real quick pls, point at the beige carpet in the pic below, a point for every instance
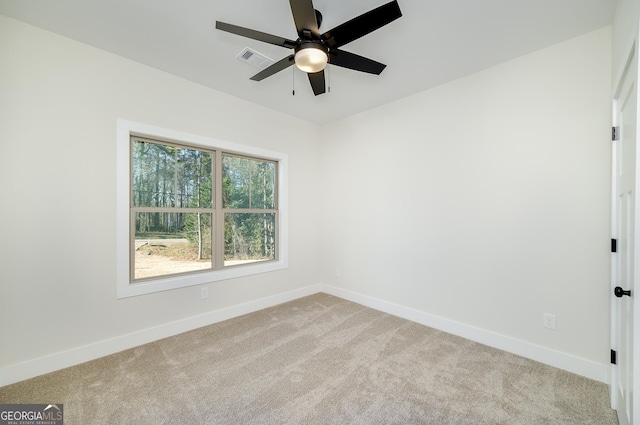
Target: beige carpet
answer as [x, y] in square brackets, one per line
[317, 360]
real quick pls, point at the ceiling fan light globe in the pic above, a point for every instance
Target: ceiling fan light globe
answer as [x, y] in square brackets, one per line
[311, 59]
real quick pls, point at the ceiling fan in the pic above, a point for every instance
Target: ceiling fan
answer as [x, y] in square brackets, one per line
[312, 50]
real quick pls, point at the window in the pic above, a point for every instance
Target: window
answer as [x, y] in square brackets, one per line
[249, 208]
[197, 210]
[171, 209]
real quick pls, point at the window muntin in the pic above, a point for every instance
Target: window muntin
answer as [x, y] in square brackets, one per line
[175, 223]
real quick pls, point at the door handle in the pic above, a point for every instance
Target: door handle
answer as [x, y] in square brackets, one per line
[619, 292]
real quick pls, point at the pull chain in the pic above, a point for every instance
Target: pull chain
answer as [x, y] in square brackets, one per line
[329, 72]
[293, 81]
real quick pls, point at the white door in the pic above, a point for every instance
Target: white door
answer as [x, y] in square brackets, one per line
[626, 261]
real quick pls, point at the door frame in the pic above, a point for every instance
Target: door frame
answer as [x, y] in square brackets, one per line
[630, 50]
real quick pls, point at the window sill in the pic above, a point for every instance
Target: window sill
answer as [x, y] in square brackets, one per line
[126, 289]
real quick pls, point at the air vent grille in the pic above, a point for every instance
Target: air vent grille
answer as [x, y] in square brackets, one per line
[254, 58]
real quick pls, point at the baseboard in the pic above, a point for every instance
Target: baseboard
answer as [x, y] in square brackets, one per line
[570, 363]
[50, 363]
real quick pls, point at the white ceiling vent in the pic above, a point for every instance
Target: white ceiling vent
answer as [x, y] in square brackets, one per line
[254, 58]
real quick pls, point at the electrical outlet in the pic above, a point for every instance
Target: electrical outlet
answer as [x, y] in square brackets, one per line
[338, 273]
[204, 293]
[549, 321]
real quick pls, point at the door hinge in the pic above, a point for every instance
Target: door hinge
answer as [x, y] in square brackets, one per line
[613, 357]
[615, 133]
[614, 245]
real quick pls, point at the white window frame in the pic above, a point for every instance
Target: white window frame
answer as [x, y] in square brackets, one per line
[127, 288]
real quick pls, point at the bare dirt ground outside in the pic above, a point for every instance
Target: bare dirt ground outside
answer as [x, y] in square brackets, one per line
[150, 262]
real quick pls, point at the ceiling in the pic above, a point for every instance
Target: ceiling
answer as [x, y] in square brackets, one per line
[435, 41]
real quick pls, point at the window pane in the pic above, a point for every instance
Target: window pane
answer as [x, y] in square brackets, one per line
[169, 176]
[249, 238]
[248, 183]
[169, 243]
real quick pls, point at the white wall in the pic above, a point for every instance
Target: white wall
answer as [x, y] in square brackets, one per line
[59, 102]
[484, 201]
[625, 31]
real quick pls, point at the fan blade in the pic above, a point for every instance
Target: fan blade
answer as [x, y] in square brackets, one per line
[317, 82]
[256, 35]
[272, 69]
[362, 25]
[304, 16]
[356, 62]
